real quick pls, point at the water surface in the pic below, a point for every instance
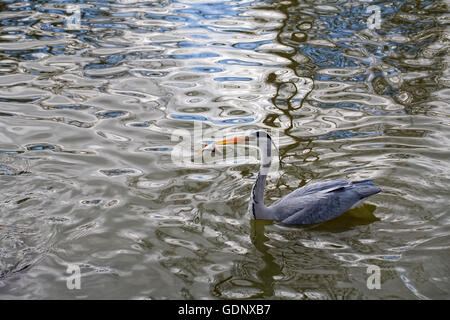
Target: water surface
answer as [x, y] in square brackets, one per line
[92, 92]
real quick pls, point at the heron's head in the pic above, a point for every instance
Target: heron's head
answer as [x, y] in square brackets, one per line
[259, 136]
[256, 136]
[235, 140]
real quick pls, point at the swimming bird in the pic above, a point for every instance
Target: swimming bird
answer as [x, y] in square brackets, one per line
[313, 203]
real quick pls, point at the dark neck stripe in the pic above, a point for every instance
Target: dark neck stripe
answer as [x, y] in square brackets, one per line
[253, 210]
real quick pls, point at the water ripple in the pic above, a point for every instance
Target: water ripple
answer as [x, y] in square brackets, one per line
[93, 94]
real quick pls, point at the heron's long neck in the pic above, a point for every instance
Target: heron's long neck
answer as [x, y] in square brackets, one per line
[260, 211]
[258, 190]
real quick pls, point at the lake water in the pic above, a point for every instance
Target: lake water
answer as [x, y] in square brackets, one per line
[95, 97]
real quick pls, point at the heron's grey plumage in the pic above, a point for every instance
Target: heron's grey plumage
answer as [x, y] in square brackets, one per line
[313, 203]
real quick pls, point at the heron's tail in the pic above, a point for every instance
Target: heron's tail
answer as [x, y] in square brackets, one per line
[366, 188]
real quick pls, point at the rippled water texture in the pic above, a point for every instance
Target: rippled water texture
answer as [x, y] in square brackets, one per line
[95, 98]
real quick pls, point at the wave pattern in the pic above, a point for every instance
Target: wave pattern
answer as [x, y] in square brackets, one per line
[92, 93]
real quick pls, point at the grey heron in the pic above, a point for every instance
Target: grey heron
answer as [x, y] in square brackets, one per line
[313, 203]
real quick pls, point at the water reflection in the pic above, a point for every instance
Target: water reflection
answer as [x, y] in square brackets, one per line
[91, 94]
[270, 269]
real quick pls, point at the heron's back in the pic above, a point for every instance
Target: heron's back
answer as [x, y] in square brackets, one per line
[321, 201]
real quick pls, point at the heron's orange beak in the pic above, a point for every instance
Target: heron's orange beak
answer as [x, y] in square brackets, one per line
[235, 140]
[212, 146]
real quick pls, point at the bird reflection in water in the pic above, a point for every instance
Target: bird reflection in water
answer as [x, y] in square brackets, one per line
[268, 272]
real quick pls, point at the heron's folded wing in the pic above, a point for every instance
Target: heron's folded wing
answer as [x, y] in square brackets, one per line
[322, 206]
[312, 188]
